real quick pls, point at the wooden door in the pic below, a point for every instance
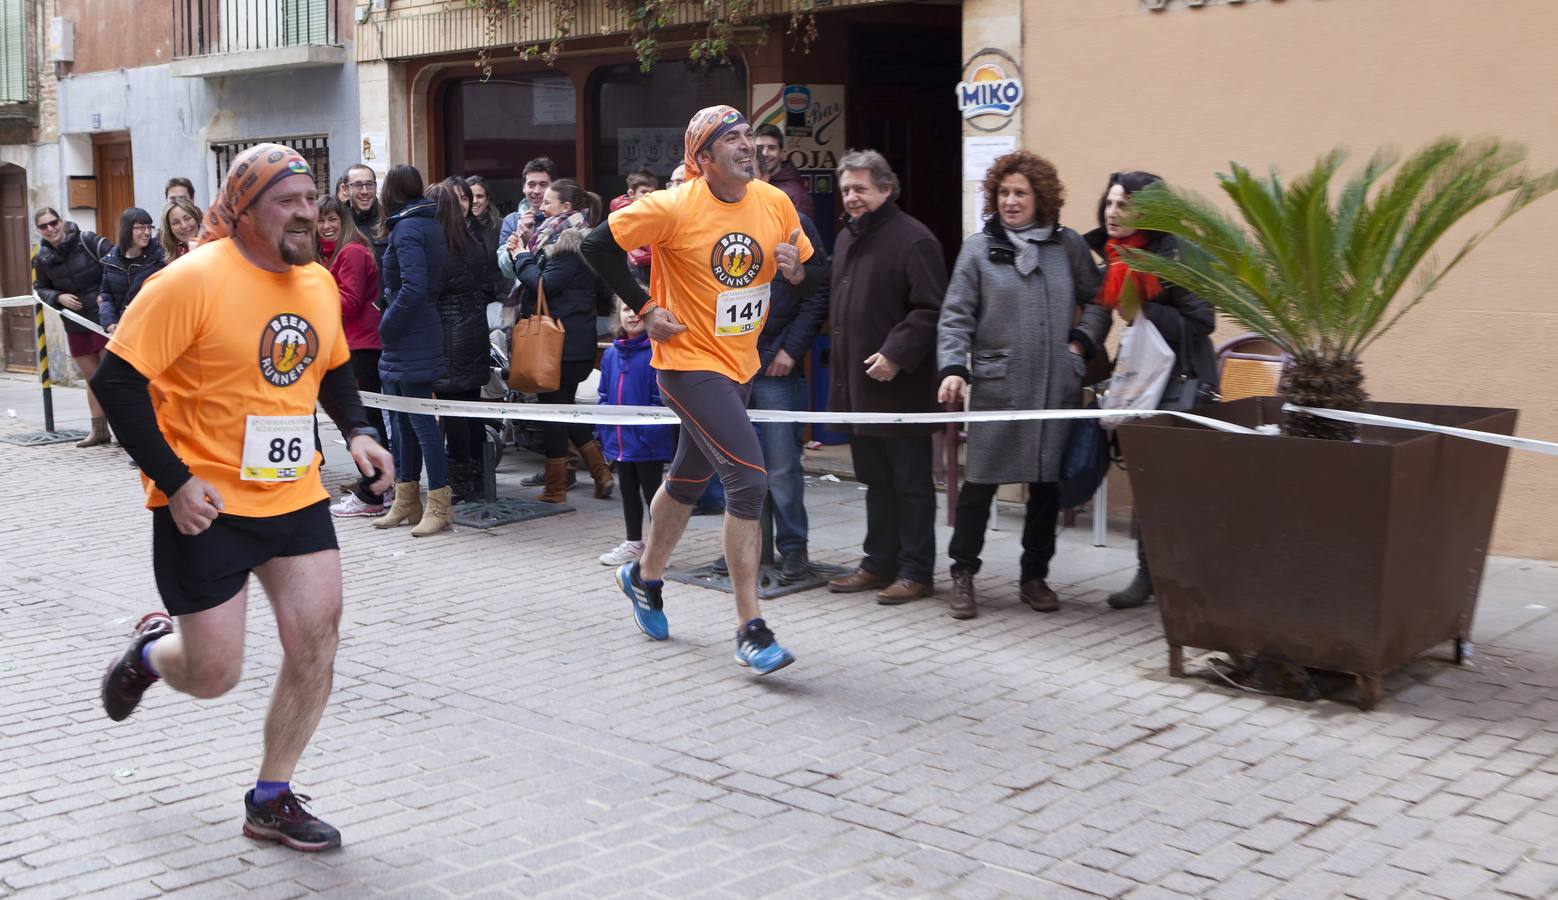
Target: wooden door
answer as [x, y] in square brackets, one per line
[115, 172]
[16, 325]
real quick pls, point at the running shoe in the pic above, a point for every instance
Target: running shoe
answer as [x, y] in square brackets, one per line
[648, 609]
[350, 506]
[125, 681]
[286, 820]
[625, 552]
[757, 649]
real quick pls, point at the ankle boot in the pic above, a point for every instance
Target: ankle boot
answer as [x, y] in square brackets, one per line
[99, 434]
[1136, 593]
[438, 516]
[407, 508]
[462, 481]
[595, 461]
[556, 482]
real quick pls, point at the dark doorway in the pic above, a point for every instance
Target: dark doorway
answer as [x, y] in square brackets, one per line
[114, 167]
[901, 104]
[17, 326]
[492, 128]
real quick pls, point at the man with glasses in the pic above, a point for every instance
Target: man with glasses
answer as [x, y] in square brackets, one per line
[66, 274]
[363, 187]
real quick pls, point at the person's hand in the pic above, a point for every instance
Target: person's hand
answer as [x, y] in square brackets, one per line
[513, 243]
[782, 365]
[527, 224]
[881, 368]
[195, 505]
[370, 458]
[1076, 348]
[662, 325]
[110, 328]
[953, 389]
[788, 256]
[70, 301]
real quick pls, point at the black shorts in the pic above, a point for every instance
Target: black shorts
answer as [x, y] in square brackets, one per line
[202, 572]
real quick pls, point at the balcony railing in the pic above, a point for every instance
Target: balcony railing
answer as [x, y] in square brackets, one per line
[208, 27]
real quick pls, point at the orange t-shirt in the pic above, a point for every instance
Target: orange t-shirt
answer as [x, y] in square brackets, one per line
[713, 265]
[223, 344]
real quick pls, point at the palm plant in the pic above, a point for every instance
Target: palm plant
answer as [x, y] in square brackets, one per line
[1321, 276]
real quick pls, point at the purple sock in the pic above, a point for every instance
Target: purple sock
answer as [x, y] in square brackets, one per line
[146, 665]
[265, 791]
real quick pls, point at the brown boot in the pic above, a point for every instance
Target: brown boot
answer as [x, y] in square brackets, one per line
[556, 481]
[595, 461]
[902, 591]
[1038, 595]
[858, 580]
[99, 434]
[407, 508]
[964, 605]
[438, 516]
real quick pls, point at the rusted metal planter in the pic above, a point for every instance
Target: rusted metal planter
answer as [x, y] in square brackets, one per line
[1351, 557]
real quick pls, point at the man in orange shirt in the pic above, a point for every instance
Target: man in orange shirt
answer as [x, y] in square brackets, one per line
[211, 381]
[718, 239]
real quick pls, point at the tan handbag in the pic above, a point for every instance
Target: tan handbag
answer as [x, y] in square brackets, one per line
[536, 350]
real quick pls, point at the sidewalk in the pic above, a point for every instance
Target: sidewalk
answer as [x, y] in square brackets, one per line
[498, 727]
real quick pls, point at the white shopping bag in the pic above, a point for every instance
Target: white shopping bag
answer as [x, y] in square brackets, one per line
[1141, 371]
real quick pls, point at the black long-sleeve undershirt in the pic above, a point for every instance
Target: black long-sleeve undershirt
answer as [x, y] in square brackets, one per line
[123, 392]
[610, 263]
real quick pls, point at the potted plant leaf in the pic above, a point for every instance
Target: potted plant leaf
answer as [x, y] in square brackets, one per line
[1330, 546]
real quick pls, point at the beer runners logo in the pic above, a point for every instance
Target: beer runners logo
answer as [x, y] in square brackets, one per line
[737, 259]
[288, 346]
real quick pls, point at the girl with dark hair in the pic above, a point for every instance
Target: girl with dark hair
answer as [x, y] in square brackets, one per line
[181, 220]
[1018, 324]
[486, 225]
[1185, 320]
[67, 274]
[413, 356]
[462, 309]
[349, 257]
[128, 266]
[573, 293]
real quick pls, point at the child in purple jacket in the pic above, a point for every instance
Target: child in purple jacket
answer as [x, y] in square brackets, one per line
[640, 451]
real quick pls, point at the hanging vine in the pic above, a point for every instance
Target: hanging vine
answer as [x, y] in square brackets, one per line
[646, 20]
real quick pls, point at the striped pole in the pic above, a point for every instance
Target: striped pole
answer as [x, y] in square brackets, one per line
[43, 368]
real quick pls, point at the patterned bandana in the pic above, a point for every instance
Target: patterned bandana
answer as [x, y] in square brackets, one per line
[705, 128]
[255, 171]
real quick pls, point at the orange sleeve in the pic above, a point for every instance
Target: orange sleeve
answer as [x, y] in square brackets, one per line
[645, 222]
[165, 319]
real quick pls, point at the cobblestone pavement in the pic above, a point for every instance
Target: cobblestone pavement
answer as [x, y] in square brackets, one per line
[499, 727]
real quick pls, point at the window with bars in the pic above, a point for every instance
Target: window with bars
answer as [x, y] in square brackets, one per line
[13, 52]
[315, 150]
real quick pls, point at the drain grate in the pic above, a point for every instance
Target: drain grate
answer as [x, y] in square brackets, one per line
[492, 513]
[768, 584]
[39, 438]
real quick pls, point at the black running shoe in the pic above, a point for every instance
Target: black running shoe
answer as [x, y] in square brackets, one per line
[287, 821]
[125, 681]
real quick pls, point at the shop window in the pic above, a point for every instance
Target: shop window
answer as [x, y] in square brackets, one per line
[492, 128]
[315, 150]
[640, 119]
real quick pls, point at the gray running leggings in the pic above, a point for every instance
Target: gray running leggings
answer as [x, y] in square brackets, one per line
[717, 437]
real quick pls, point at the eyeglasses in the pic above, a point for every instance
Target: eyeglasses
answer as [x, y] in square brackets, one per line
[362, 185]
[140, 228]
[49, 226]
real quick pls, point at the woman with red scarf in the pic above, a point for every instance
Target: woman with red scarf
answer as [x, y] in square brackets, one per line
[1185, 320]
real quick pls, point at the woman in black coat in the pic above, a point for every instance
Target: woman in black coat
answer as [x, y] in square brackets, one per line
[66, 274]
[462, 309]
[486, 225]
[573, 293]
[127, 266]
[1185, 320]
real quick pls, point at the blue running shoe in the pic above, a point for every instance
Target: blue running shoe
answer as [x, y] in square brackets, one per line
[757, 649]
[645, 596]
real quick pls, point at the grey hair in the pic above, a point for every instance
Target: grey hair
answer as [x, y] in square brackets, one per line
[873, 162]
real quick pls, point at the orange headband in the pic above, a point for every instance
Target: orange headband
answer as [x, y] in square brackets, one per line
[254, 171]
[705, 128]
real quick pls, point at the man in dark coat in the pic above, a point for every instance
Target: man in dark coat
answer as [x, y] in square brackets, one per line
[779, 172]
[888, 281]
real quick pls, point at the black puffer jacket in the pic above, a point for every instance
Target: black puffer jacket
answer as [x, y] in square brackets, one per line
[74, 267]
[572, 291]
[497, 284]
[122, 280]
[1185, 320]
[462, 308]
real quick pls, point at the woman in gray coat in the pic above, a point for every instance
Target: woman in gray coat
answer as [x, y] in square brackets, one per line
[1016, 331]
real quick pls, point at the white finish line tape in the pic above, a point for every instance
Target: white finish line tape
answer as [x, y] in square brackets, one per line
[79, 320]
[1503, 440]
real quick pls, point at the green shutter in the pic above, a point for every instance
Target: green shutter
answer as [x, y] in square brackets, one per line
[13, 51]
[306, 22]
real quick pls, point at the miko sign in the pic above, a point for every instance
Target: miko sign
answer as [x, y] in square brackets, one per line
[988, 92]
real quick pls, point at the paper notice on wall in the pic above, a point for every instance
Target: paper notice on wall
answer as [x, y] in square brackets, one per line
[553, 102]
[979, 153]
[375, 152]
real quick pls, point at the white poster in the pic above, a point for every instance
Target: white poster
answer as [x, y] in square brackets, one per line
[553, 102]
[375, 152]
[657, 149]
[980, 153]
[811, 117]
